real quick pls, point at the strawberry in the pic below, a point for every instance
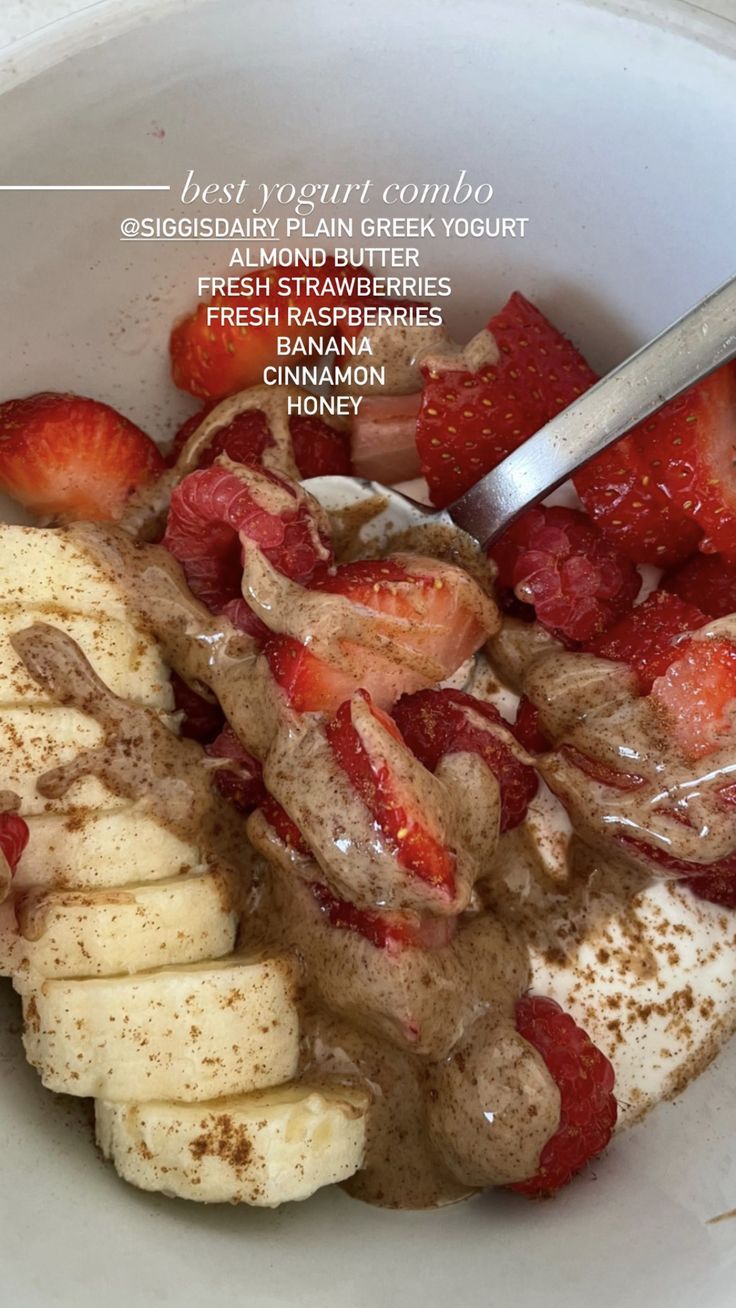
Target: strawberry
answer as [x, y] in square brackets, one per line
[286, 830]
[392, 931]
[202, 720]
[527, 728]
[242, 781]
[649, 637]
[416, 613]
[393, 808]
[438, 722]
[714, 882]
[696, 695]
[706, 580]
[214, 510]
[690, 447]
[620, 492]
[13, 838]
[585, 1080]
[470, 421]
[318, 449]
[384, 437]
[578, 582]
[66, 454]
[671, 479]
[216, 359]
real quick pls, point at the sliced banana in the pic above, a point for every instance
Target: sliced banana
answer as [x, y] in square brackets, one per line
[127, 660]
[264, 1149]
[45, 566]
[78, 933]
[35, 740]
[192, 1032]
[91, 848]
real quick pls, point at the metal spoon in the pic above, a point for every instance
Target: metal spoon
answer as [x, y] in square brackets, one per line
[694, 346]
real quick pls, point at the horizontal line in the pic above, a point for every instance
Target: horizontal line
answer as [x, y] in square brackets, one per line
[244, 240]
[85, 188]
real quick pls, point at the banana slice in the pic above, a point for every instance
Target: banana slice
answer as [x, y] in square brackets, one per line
[77, 933]
[34, 740]
[263, 1149]
[91, 848]
[43, 566]
[190, 1033]
[127, 660]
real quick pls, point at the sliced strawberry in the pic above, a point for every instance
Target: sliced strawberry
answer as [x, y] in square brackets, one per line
[242, 781]
[13, 838]
[217, 358]
[286, 830]
[202, 719]
[697, 694]
[394, 810]
[706, 580]
[214, 510]
[438, 722]
[578, 582]
[429, 618]
[470, 421]
[319, 450]
[620, 492]
[648, 638]
[690, 447]
[715, 882]
[311, 685]
[527, 728]
[384, 437]
[599, 771]
[392, 931]
[66, 454]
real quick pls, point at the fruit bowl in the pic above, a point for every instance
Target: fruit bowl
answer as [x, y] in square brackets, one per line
[583, 119]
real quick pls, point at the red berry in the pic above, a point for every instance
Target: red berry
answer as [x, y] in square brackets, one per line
[527, 728]
[318, 450]
[696, 695]
[66, 454]
[214, 510]
[649, 637]
[577, 581]
[393, 806]
[286, 830]
[421, 619]
[438, 722]
[707, 581]
[392, 931]
[585, 1079]
[620, 492]
[470, 421]
[242, 781]
[13, 838]
[202, 719]
[715, 882]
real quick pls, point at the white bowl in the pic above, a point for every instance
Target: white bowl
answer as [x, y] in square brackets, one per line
[611, 128]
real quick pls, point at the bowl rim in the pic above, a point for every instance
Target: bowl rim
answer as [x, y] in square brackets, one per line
[99, 21]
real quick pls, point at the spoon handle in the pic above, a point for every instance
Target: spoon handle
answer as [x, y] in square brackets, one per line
[695, 345]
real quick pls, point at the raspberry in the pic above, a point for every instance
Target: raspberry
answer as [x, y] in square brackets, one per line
[318, 450]
[13, 838]
[202, 719]
[215, 510]
[585, 1079]
[558, 561]
[242, 782]
[438, 722]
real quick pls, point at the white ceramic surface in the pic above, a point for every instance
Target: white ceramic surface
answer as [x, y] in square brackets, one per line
[614, 133]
